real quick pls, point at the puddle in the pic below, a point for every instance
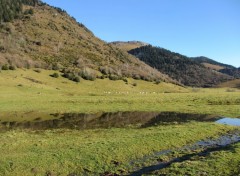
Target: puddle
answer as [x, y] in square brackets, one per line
[99, 120]
[229, 121]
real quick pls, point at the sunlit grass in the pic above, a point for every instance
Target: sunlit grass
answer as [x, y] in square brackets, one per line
[92, 152]
[71, 151]
[51, 95]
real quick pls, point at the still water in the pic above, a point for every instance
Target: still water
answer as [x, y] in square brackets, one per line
[100, 120]
[229, 121]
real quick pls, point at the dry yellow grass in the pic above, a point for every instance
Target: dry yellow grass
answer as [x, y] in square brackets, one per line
[214, 67]
[230, 84]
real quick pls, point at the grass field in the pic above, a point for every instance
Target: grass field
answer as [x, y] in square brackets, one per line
[93, 152]
[25, 91]
[218, 163]
[62, 152]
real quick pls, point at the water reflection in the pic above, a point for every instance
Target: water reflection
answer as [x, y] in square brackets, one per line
[104, 120]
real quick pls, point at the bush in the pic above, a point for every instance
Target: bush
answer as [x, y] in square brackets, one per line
[157, 81]
[87, 74]
[5, 67]
[55, 75]
[113, 77]
[76, 79]
[100, 77]
[11, 67]
[137, 77]
[28, 11]
[37, 70]
[68, 75]
[56, 66]
[134, 84]
[125, 80]
[88, 77]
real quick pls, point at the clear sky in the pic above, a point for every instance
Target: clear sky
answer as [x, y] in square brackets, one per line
[208, 28]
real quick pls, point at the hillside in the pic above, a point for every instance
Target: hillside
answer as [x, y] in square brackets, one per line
[203, 59]
[223, 68]
[46, 37]
[127, 46]
[179, 67]
[230, 84]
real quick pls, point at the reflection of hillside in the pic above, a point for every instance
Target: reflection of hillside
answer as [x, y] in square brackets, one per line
[107, 120]
[165, 118]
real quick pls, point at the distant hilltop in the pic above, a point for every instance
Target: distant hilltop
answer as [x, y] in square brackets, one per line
[128, 45]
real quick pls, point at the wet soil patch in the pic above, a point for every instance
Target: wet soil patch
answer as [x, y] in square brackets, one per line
[201, 148]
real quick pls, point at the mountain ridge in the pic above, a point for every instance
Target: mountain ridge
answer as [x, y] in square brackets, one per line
[182, 68]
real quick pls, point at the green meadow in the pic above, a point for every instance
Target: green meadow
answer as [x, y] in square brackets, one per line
[93, 152]
[97, 151]
[26, 91]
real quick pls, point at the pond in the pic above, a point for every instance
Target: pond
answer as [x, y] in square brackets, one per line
[82, 121]
[229, 121]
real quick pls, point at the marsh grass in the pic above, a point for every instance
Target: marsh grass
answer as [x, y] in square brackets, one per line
[218, 163]
[70, 151]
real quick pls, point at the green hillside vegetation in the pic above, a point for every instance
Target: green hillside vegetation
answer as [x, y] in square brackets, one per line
[223, 68]
[13, 9]
[47, 37]
[179, 67]
[235, 72]
[203, 59]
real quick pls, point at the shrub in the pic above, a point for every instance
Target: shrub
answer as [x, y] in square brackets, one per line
[125, 80]
[100, 77]
[157, 81]
[5, 67]
[88, 77]
[70, 76]
[113, 77]
[28, 11]
[11, 67]
[56, 66]
[137, 77]
[87, 74]
[106, 70]
[37, 70]
[76, 79]
[55, 75]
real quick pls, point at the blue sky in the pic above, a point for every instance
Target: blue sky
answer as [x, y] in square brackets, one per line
[208, 28]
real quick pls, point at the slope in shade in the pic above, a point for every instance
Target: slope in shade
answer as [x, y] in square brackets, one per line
[179, 67]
